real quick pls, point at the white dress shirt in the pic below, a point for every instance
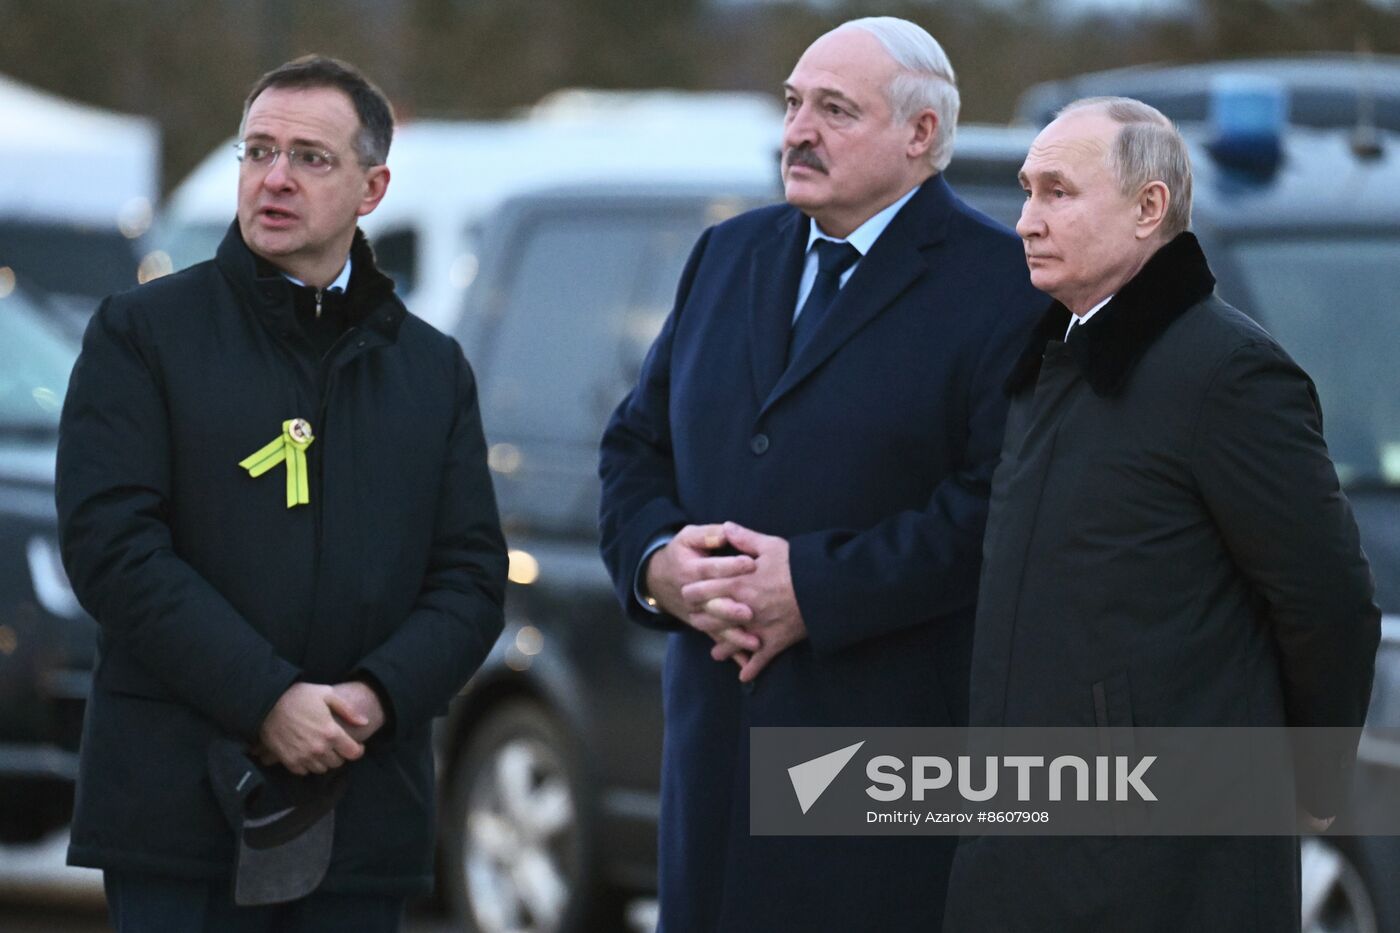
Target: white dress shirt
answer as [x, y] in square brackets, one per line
[341, 283]
[1075, 321]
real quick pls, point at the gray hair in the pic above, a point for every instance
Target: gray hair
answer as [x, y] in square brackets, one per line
[1149, 148]
[925, 79]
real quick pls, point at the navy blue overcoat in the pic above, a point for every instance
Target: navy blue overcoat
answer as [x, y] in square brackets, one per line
[872, 453]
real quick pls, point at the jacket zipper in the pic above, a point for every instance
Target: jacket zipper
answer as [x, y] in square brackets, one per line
[324, 383]
[320, 292]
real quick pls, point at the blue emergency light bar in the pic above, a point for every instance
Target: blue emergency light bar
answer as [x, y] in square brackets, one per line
[1248, 116]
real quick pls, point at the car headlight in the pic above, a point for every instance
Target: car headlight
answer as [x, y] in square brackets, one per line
[51, 585]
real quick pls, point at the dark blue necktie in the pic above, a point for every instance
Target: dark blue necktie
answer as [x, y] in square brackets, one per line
[833, 259]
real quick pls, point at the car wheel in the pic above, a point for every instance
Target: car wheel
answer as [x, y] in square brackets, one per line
[1335, 897]
[517, 843]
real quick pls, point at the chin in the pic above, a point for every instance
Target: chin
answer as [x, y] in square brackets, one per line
[270, 244]
[1043, 280]
[801, 195]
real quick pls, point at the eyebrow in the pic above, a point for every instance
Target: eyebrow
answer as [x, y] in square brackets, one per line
[1050, 176]
[300, 141]
[827, 93]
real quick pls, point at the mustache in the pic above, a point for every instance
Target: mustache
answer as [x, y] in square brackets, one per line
[803, 155]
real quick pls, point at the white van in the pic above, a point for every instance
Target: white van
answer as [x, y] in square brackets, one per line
[77, 186]
[446, 176]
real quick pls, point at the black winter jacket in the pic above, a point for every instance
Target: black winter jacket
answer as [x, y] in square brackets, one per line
[1168, 545]
[212, 596]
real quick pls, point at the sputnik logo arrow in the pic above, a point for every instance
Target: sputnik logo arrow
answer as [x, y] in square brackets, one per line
[811, 778]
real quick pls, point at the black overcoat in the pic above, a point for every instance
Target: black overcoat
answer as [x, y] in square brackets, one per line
[1168, 545]
[872, 453]
[212, 596]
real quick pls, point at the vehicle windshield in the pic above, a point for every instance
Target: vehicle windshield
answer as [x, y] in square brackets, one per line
[1334, 304]
[34, 365]
[68, 259]
[187, 243]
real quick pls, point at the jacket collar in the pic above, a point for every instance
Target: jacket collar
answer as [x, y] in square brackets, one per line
[1109, 345]
[370, 298]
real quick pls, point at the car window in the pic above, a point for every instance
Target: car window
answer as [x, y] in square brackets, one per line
[988, 184]
[585, 297]
[34, 365]
[581, 297]
[396, 254]
[187, 243]
[1001, 203]
[68, 259]
[1333, 303]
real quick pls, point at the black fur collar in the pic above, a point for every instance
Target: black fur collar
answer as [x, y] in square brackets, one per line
[1173, 280]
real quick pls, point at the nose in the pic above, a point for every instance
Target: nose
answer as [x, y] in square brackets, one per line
[279, 176]
[1030, 223]
[799, 128]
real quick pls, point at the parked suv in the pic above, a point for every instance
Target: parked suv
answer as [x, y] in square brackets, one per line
[1311, 250]
[552, 753]
[551, 756]
[46, 641]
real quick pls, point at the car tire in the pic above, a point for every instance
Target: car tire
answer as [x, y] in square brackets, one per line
[520, 830]
[1335, 895]
[1378, 859]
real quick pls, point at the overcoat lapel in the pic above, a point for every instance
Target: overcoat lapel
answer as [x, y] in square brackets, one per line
[774, 275]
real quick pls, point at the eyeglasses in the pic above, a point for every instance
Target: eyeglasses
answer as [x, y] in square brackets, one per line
[261, 155]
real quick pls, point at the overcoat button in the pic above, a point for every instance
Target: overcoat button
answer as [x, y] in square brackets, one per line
[759, 444]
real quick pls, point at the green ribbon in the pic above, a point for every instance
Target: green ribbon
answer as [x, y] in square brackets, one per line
[291, 447]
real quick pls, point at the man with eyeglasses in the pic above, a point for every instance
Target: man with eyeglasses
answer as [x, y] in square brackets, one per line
[273, 498]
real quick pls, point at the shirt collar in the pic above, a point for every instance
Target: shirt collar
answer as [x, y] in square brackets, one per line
[864, 236]
[1075, 321]
[341, 283]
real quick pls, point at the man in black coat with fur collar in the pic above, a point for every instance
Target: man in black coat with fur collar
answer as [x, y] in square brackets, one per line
[273, 498]
[1167, 544]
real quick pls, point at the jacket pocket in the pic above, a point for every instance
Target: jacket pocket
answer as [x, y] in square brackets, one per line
[1113, 722]
[1113, 703]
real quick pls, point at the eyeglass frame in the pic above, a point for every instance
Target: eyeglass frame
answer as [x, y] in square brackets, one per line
[333, 161]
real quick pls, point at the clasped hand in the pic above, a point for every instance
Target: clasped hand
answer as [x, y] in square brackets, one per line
[744, 602]
[315, 728]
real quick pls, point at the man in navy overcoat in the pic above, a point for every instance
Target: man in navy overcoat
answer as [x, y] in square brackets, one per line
[798, 483]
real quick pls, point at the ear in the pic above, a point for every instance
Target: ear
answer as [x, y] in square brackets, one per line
[1152, 204]
[376, 183]
[923, 128]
